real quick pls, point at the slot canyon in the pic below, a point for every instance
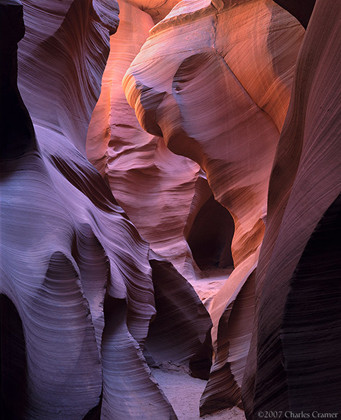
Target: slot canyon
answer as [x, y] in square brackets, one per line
[170, 231]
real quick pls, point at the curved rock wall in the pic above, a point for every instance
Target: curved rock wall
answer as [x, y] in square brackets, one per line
[293, 362]
[65, 48]
[74, 270]
[84, 301]
[219, 96]
[155, 187]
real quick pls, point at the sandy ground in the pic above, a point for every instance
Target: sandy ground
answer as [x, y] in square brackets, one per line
[184, 393]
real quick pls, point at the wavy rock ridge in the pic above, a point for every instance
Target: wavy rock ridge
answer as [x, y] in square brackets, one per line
[220, 98]
[210, 149]
[154, 186]
[293, 363]
[77, 287]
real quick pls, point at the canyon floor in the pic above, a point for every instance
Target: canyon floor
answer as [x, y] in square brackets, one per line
[183, 391]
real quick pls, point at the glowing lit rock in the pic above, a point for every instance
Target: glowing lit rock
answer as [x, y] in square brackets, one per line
[214, 79]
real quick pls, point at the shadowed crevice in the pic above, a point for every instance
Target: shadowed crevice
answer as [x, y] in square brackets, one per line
[13, 370]
[311, 331]
[302, 9]
[16, 130]
[211, 235]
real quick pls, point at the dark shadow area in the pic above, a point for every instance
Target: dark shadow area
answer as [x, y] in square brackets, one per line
[302, 10]
[16, 129]
[94, 413]
[211, 235]
[181, 330]
[13, 375]
[311, 329]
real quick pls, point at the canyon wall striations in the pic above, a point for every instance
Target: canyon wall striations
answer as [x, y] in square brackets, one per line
[221, 98]
[145, 148]
[79, 286]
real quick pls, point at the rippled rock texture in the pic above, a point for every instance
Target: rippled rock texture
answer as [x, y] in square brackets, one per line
[165, 195]
[155, 187]
[294, 362]
[79, 287]
[219, 95]
[194, 136]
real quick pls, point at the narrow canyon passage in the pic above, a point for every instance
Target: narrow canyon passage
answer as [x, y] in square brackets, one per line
[170, 182]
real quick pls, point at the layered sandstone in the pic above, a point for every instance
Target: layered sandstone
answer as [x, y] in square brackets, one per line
[153, 186]
[85, 303]
[293, 363]
[214, 80]
[78, 285]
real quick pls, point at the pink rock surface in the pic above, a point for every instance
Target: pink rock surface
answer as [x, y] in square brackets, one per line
[86, 304]
[219, 96]
[293, 362]
[154, 186]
